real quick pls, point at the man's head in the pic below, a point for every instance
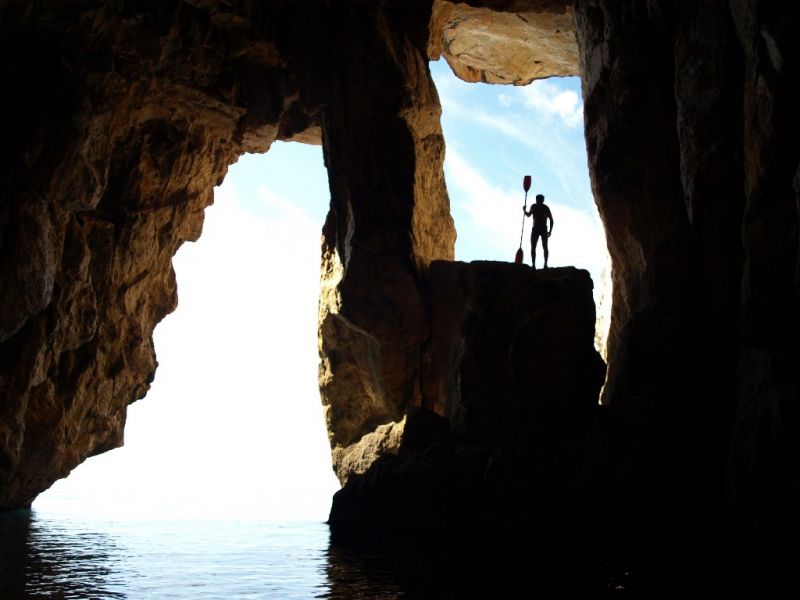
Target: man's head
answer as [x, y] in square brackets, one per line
[539, 198]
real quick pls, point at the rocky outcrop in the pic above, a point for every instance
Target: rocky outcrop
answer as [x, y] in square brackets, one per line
[505, 41]
[510, 400]
[509, 362]
[510, 348]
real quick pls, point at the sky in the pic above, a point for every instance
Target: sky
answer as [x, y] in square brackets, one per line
[232, 426]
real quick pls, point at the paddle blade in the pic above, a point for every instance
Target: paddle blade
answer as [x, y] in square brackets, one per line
[526, 182]
[518, 257]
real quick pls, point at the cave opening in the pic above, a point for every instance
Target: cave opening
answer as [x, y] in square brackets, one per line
[481, 181]
[494, 135]
[233, 421]
[262, 235]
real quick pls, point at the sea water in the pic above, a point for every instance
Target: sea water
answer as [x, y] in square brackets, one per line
[55, 555]
[84, 548]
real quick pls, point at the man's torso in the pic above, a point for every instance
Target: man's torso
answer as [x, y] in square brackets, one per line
[540, 213]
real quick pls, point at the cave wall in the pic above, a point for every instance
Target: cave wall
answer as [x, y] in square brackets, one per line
[112, 149]
[765, 462]
[690, 135]
[125, 116]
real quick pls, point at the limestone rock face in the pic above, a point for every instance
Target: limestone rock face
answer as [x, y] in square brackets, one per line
[505, 42]
[389, 218]
[122, 126]
[510, 396]
[127, 117]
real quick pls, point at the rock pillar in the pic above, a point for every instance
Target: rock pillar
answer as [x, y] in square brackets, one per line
[389, 218]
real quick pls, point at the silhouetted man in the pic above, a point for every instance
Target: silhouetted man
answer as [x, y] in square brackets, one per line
[541, 214]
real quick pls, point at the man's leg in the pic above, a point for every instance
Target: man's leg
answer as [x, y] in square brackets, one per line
[544, 247]
[534, 239]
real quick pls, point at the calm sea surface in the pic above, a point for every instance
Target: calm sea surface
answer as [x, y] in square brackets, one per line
[89, 555]
[53, 556]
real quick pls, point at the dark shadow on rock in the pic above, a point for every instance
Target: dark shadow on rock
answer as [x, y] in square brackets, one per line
[450, 520]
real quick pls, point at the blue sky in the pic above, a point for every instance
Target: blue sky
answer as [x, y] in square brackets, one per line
[233, 426]
[497, 134]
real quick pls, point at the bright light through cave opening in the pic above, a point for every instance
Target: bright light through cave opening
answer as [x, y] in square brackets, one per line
[496, 134]
[233, 423]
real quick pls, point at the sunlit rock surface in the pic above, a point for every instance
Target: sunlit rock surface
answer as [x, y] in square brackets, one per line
[114, 144]
[505, 41]
[389, 218]
[126, 118]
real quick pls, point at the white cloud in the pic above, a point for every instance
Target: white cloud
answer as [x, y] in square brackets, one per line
[551, 100]
[562, 157]
[547, 100]
[505, 100]
[496, 216]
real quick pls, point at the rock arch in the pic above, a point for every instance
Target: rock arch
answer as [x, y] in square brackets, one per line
[130, 114]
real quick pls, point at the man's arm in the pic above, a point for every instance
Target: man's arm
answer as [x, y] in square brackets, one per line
[550, 218]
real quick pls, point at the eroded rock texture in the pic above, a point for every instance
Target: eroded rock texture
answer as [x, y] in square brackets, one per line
[125, 116]
[389, 218]
[112, 150]
[505, 41]
[510, 399]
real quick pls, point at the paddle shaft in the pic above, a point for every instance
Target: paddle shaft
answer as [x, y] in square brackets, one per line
[522, 231]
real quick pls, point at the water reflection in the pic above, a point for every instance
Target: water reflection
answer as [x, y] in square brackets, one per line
[46, 556]
[458, 565]
[356, 575]
[413, 567]
[50, 559]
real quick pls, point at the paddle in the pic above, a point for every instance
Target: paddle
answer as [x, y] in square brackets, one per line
[526, 185]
